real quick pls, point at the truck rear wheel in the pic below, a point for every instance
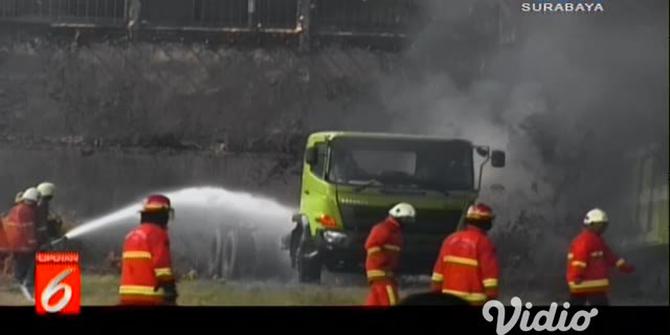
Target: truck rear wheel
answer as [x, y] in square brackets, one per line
[238, 258]
[214, 267]
[234, 254]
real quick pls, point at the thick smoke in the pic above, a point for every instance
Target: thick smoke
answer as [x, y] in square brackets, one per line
[570, 100]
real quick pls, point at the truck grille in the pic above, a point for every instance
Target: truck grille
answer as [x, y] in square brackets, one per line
[428, 221]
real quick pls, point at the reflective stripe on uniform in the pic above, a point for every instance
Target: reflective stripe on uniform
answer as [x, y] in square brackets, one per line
[372, 274]
[578, 263]
[391, 247]
[461, 260]
[490, 282]
[620, 262]
[472, 297]
[437, 276]
[139, 290]
[391, 295]
[18, 223]
[136, 255]
[597, 254]
[374, 250]
[163, 272]
[14, 223]
[589, 285]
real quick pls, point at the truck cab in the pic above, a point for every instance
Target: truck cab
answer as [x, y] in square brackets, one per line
[349, 182]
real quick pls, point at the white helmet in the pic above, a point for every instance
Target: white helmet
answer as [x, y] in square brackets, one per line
[18, 197]
[595, 215]
[31, 194]
[46, 189]
[402, 210]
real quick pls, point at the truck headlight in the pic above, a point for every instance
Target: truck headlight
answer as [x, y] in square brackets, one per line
[334, 237]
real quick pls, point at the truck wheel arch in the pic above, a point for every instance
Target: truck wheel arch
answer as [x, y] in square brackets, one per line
[297, 235]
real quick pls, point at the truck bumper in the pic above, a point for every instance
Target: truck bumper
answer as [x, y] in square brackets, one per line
[348, 254]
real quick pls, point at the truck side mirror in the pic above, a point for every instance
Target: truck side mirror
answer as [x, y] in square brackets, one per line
[482, 151]
[310, 156]
[498, 158]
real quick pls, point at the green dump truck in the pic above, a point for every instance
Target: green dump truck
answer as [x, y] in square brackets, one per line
[351, 179]
[647, 242]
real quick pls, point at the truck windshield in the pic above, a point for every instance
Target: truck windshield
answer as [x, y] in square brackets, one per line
[403, 163]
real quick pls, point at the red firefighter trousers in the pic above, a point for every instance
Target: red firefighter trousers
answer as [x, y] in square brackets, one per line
[382, 293]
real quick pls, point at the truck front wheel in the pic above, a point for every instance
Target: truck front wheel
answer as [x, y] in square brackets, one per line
[308, 260]
[309, 269]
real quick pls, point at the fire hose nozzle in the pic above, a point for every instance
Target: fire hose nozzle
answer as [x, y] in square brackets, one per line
[57, 242]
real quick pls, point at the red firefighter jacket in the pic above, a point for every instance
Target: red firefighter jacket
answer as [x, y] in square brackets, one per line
[588, 265]
[467, 266]
[4, 245]
[146, 265]
[383, 249]
[41, 221]
[19, 228]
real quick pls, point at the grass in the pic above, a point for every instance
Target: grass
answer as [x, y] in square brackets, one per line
[101, 290]
[199, 293]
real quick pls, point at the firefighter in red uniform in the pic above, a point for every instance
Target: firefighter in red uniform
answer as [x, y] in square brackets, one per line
[467, 266]
[383, 249]
[4, 245]
[19, 228]
[146, 271]
[589, 261]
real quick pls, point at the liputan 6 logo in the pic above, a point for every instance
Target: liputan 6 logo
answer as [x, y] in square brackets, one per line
[57, 283]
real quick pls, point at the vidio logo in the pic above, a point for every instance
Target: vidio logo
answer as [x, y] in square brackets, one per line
[543, 320]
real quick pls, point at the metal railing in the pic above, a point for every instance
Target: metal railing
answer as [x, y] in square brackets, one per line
[58, 11]
[369, 16]
[327, 16]
[277, 13]
[389, 18]
[232, 14]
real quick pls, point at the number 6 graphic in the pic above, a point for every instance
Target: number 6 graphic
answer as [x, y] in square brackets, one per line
[55, 285]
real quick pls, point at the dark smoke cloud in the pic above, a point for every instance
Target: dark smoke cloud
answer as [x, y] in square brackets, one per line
[569, 100]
